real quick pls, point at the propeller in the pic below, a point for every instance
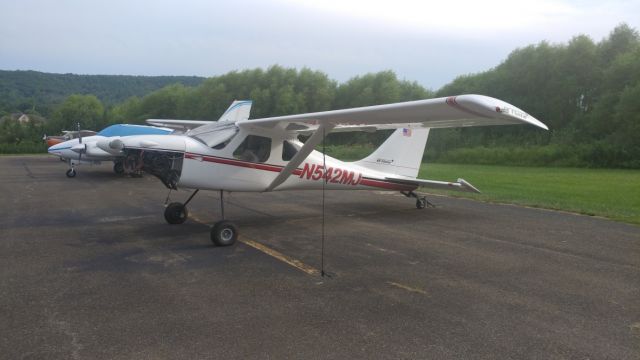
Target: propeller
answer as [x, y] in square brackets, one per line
[80, 143]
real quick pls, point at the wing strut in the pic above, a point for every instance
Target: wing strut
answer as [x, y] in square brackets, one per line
[301, 155]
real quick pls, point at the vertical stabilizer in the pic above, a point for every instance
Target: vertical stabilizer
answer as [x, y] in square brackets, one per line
[401, 154]
[238, 111]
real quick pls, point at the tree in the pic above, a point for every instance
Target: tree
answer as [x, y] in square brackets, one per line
[84, 109]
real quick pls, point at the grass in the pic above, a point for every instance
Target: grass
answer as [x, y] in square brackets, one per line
[610, 193]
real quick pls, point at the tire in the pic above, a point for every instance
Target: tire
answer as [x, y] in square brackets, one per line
[176, 213]
[421, 203]
[71, 173]
[118, 168]
[224, 233]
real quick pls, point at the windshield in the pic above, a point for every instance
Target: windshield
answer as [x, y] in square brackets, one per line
[217, 136]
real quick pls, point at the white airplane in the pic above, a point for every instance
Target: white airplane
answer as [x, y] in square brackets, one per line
[88, 149]
[261, 155]
[94, 149]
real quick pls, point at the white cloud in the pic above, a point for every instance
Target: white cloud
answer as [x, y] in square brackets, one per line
[462, 18]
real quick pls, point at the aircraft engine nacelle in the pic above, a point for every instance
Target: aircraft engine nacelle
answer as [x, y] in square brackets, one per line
[92, 149]
[110, 145]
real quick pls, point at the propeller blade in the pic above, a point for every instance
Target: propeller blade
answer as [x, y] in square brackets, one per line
[79, 148]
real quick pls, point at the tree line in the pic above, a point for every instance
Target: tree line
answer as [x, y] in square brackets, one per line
[42, 92]
[586, 92]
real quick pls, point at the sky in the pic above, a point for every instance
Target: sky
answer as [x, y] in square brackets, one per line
[431, 42]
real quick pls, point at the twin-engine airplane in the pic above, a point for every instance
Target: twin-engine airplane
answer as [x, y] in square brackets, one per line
[94, 149]
[89, 149]
[260, 155]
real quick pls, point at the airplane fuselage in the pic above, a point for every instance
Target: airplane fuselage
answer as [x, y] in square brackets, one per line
[184, 162]
[88, 150]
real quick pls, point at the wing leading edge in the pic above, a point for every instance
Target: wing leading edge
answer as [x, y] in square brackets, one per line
[453, 111]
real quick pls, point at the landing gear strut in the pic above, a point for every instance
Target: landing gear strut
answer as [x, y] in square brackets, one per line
[72, 171]
[223, 232]
[421, 201]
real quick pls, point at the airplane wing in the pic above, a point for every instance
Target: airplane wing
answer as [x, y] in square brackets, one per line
[182, 125]
[453, 111]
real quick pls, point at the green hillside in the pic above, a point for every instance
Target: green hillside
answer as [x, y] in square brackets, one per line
[23, 90]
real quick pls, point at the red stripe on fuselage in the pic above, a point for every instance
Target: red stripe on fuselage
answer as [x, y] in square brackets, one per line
[275, 168]
[234, 162]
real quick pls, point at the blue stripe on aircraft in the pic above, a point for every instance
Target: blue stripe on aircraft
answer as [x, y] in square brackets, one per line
[241, 103]
[54, 148]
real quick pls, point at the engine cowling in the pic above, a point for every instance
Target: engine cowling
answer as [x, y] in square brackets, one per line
[111, 146]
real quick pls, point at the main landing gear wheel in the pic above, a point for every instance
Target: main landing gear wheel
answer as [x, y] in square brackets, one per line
[176, 213]
[118, 168]
[224, 233]
[421, 203]
[71, 173]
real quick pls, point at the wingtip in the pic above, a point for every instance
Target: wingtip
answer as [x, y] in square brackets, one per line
[535, 122]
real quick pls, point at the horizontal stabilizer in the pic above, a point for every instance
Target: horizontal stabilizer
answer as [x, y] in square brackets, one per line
[460, 185]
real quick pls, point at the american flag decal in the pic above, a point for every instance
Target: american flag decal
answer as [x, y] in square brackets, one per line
[406, 132]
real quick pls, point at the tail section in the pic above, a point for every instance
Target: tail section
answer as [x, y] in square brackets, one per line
[238, 111]
[401, 154]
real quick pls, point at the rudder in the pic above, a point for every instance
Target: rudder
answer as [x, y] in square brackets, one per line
[238, 111]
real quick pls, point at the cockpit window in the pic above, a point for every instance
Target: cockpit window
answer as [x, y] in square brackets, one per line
[289, 150]
[254, 149]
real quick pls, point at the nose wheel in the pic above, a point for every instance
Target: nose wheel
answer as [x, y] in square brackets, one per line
[176, 213]
[71, 172]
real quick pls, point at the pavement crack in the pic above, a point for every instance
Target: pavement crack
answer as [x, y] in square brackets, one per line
[29, 173]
